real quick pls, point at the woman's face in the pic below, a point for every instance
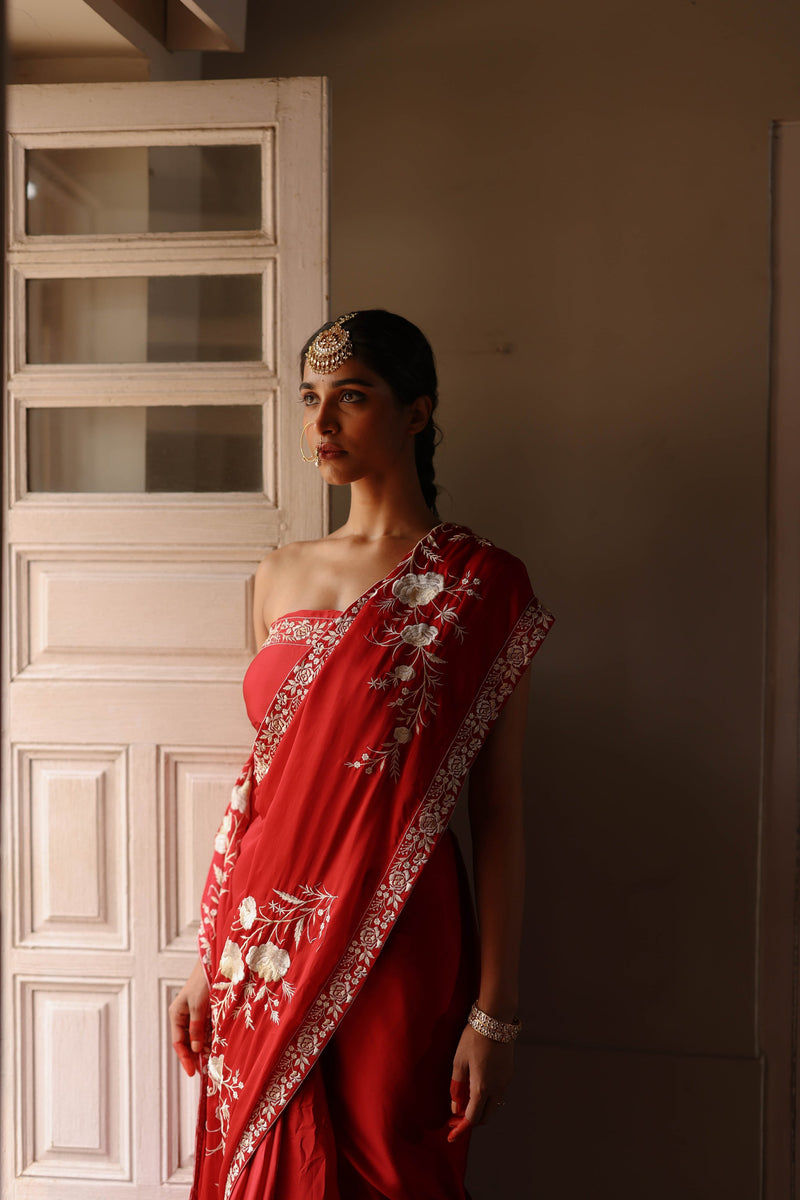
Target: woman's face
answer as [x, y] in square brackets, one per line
[356, 422]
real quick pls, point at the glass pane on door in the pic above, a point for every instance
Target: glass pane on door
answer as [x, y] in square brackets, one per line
[142, 189]
[170, 448]
[133, 319]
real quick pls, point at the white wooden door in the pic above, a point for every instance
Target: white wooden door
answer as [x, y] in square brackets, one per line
[167, 258]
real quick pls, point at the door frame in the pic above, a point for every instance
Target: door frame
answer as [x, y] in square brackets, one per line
[778, 1001]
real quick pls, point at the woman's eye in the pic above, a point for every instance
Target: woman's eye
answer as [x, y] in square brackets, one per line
[307, 399]
[352, 397]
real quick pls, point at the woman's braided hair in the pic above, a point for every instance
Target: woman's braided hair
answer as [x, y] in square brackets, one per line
[400, 353]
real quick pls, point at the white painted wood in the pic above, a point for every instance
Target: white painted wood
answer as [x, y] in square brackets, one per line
[119, 268]
[126, 636]
[80, 602]
[74, 1067]
[70, 847]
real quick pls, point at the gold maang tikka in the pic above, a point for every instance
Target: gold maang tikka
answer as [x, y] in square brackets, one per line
[330, 348]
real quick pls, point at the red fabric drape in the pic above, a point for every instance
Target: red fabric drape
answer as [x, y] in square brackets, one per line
[356, 767]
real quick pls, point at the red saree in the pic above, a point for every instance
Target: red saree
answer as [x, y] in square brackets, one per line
[356, 766]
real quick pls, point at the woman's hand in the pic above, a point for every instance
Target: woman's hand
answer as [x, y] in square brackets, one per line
[482, 1071]
[188, 1015]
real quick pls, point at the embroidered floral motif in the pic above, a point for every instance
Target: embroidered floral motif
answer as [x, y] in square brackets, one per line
[240, 796]
[226, 851]
[418, 589]
[221, 840]
[215, 1069]
[226, 1084]
[418, 635]
[231, 965]
[417, 640]
[254, 957]
[431, 819]
[269, 962]
[248, 912]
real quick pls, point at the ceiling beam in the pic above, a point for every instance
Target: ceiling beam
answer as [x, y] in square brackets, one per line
[206, 24]
[153, 25]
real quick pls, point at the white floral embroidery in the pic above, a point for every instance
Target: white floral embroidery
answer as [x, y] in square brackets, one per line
[226, 1084]
[419, 635]
[269, 962]
[415, 702]
[255, 960]
[215, 1068]
[248, 911]
[240, 796]
[418, 589]
[231, 965]
[226, 852]
[221, 840]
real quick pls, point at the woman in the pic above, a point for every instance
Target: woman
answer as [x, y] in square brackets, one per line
[330, 1010]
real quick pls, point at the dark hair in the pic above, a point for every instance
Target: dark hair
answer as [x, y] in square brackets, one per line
[400, 353]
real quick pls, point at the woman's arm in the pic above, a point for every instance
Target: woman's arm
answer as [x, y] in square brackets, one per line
[260, 591]
[495, 809]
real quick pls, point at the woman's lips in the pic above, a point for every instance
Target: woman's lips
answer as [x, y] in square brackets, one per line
[330, 452]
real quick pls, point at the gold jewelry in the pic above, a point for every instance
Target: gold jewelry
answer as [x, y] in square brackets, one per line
[496, 1031]
[315, 458]
[330, 348]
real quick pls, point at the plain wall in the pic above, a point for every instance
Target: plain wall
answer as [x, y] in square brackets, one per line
[572, 200]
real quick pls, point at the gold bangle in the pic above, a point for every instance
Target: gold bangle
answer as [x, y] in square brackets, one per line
[496, 1031]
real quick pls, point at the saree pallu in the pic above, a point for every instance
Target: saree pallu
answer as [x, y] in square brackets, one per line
[355, 770]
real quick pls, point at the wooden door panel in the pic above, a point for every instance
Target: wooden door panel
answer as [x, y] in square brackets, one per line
[74, 1048]
[72, 799]
[194, 789]
[133, 522]
[92, 609]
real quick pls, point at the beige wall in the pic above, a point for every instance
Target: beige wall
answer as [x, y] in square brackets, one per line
[573, 201]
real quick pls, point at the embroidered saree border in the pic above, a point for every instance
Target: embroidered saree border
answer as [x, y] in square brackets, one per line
[293, 691]
[427, 825]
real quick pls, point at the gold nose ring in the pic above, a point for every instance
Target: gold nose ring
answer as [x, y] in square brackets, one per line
[315, 457]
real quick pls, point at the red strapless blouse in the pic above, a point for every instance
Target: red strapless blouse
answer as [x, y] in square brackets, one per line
[290, 637]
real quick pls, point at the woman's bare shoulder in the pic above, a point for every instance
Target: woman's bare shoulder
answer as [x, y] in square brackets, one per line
[278, 577]
[285, 570]
[287, 558]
